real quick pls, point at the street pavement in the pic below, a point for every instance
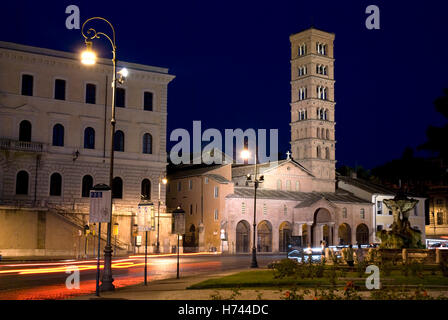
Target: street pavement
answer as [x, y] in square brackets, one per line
[47, 279]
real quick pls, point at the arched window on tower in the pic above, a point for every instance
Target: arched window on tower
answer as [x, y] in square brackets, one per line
[327, 153]
[318, 152]
[322, 133]
[318, 133]
[326, 115]
[327, 135]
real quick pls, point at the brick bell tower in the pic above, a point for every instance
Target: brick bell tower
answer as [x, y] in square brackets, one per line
[312, 105]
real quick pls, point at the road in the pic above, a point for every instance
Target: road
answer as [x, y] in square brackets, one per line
[45, 280]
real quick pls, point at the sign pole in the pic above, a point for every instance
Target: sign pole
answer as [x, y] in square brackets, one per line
[98, 262]
[146, 256]
[178, 243]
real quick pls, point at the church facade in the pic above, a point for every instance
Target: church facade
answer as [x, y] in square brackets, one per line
[297, 200]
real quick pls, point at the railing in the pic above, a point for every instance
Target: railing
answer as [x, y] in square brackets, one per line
[80, 223]
[8, 144]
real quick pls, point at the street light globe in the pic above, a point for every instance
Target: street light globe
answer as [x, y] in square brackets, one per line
[164, 180]
[245, 154]
[88, 56]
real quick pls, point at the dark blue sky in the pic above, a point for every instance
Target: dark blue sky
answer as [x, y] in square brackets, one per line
[231, 61]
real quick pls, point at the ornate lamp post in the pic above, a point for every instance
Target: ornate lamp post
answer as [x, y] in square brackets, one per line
[246, 155]
[88, 57]
[161, 181]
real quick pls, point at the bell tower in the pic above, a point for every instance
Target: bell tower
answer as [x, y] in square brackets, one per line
[312, 105]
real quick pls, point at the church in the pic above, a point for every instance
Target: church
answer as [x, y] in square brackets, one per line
[297, 200]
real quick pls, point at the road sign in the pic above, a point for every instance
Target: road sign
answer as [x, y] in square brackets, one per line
[100, 204]
[145, 216]
[178, 222]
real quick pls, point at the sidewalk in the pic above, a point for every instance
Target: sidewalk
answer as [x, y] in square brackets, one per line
[167, 289]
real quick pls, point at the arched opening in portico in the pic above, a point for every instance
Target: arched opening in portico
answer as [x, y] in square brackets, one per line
[345, 234]
[191, 239]
[362, 234]
[242, 236]
[321, 229]
[285, 232]
[264, 243]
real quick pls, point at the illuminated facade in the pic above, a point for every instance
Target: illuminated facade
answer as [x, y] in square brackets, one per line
[55, 145]
[298, 200]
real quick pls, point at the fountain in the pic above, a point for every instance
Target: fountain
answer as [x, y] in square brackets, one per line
[401, 235]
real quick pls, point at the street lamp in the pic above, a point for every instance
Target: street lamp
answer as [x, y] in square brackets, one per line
[161, 181]
[245, 154]
[88, 57]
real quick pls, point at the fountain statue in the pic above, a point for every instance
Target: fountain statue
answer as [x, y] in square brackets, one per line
[401, 235]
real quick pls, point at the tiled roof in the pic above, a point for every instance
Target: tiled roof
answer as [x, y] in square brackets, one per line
[240, 170]
[306, 198]
[367, 185]
[217, 177]
[191, 171]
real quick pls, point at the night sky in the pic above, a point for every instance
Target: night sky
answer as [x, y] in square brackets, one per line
[231, 61]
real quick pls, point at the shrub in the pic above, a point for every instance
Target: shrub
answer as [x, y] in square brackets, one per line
[444, 268]
[285, 268]
[386, 268]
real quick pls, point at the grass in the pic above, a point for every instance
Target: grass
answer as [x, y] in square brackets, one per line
[265, 279]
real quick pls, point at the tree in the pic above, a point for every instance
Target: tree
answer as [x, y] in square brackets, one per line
[437, 136]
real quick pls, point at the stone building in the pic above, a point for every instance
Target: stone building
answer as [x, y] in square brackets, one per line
[297, 200]
[55, 145]
[438, 213]
[382, 217]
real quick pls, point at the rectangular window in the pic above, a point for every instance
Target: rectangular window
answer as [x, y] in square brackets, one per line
[415, 211]
[379, 227]
[27, 85]
[243, 207]
[191, 209]
[120, 96]
[190, 184]
[216, 215]
[91, 93]
[148, 101]
[206, 180]
[179, 186]
[379, 205]
[362, 213]
[265, 209]
[59, 89]
[216, 193]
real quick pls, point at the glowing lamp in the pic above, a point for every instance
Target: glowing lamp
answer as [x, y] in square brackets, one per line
[245, 154]
[88, 56]
[124, 72]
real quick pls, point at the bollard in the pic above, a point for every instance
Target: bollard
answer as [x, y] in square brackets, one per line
[328, 255]
[438, 256]
[404, 254]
